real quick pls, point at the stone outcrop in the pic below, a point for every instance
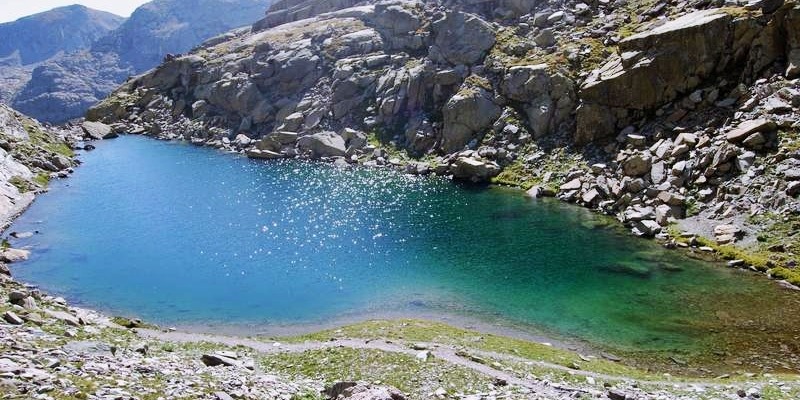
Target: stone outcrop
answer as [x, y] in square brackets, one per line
[323, 144]
[285, 11]
[462, 38]
[548, 99]
[655, 67]
[466, 116]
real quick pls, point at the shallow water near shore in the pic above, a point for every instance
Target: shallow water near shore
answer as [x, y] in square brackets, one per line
[188, 236]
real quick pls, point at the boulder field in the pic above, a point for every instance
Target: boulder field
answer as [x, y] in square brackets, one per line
[670, 115]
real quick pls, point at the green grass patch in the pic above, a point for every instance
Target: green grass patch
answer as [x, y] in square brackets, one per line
[42, 179]
[789, 275]
[515, 175]
[20, 183]
[411, 331]
[415, 377]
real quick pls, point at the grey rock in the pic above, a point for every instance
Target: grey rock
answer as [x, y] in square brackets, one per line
[467, 168]
[463, 38]
[216, 359]
[467, 115]
[793, 189]
[637, 165]
[548, 97]
[98, 130]
[646, 227]
[323, 144]
[12, 318]
[746, 129]
[264, 154]
[574, 184]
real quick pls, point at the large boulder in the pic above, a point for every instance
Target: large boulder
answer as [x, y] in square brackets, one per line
[97, 130]
[323, 144]
[654, 67]
[466, 116]
[473, 169]
[463, 38]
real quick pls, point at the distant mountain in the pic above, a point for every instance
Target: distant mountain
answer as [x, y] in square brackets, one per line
[175, 26]
[66, 85]
[29, 41]
[38, 37]
[63, 88]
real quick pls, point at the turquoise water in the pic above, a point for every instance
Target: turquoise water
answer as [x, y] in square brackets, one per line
[181, 235]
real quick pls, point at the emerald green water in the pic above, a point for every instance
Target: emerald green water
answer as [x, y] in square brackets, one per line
[189, 236]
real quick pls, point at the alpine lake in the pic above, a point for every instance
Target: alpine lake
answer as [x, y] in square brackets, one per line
[192, 237]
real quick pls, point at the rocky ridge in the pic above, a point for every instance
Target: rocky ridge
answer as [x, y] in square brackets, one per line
[660, 113]
[63, 85]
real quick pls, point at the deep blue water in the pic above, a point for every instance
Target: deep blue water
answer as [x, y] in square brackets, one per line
[181, 235]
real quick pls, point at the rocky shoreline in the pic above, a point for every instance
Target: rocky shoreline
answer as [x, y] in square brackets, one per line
[51, 350]
[641, 111]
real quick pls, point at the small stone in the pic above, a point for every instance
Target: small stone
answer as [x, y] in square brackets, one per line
[222, 396]
[615, 394]
[736, 263]
[12, 318]
[745, 129]
[213, 360]
[574, 184]
[424, 355]
[793, 189]
[15, 296]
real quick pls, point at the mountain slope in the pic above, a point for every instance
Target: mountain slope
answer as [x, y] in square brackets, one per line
[172, 26]
[38, 37]
[30, 154]
[65, 86]
[29, 41]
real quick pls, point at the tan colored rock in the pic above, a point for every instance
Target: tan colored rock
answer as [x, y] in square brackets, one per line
[726, 234]
[14, 255]
[745, 129]
[475, 170]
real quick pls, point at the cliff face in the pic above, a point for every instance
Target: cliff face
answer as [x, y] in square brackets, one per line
[67, 83]
[653, 112]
